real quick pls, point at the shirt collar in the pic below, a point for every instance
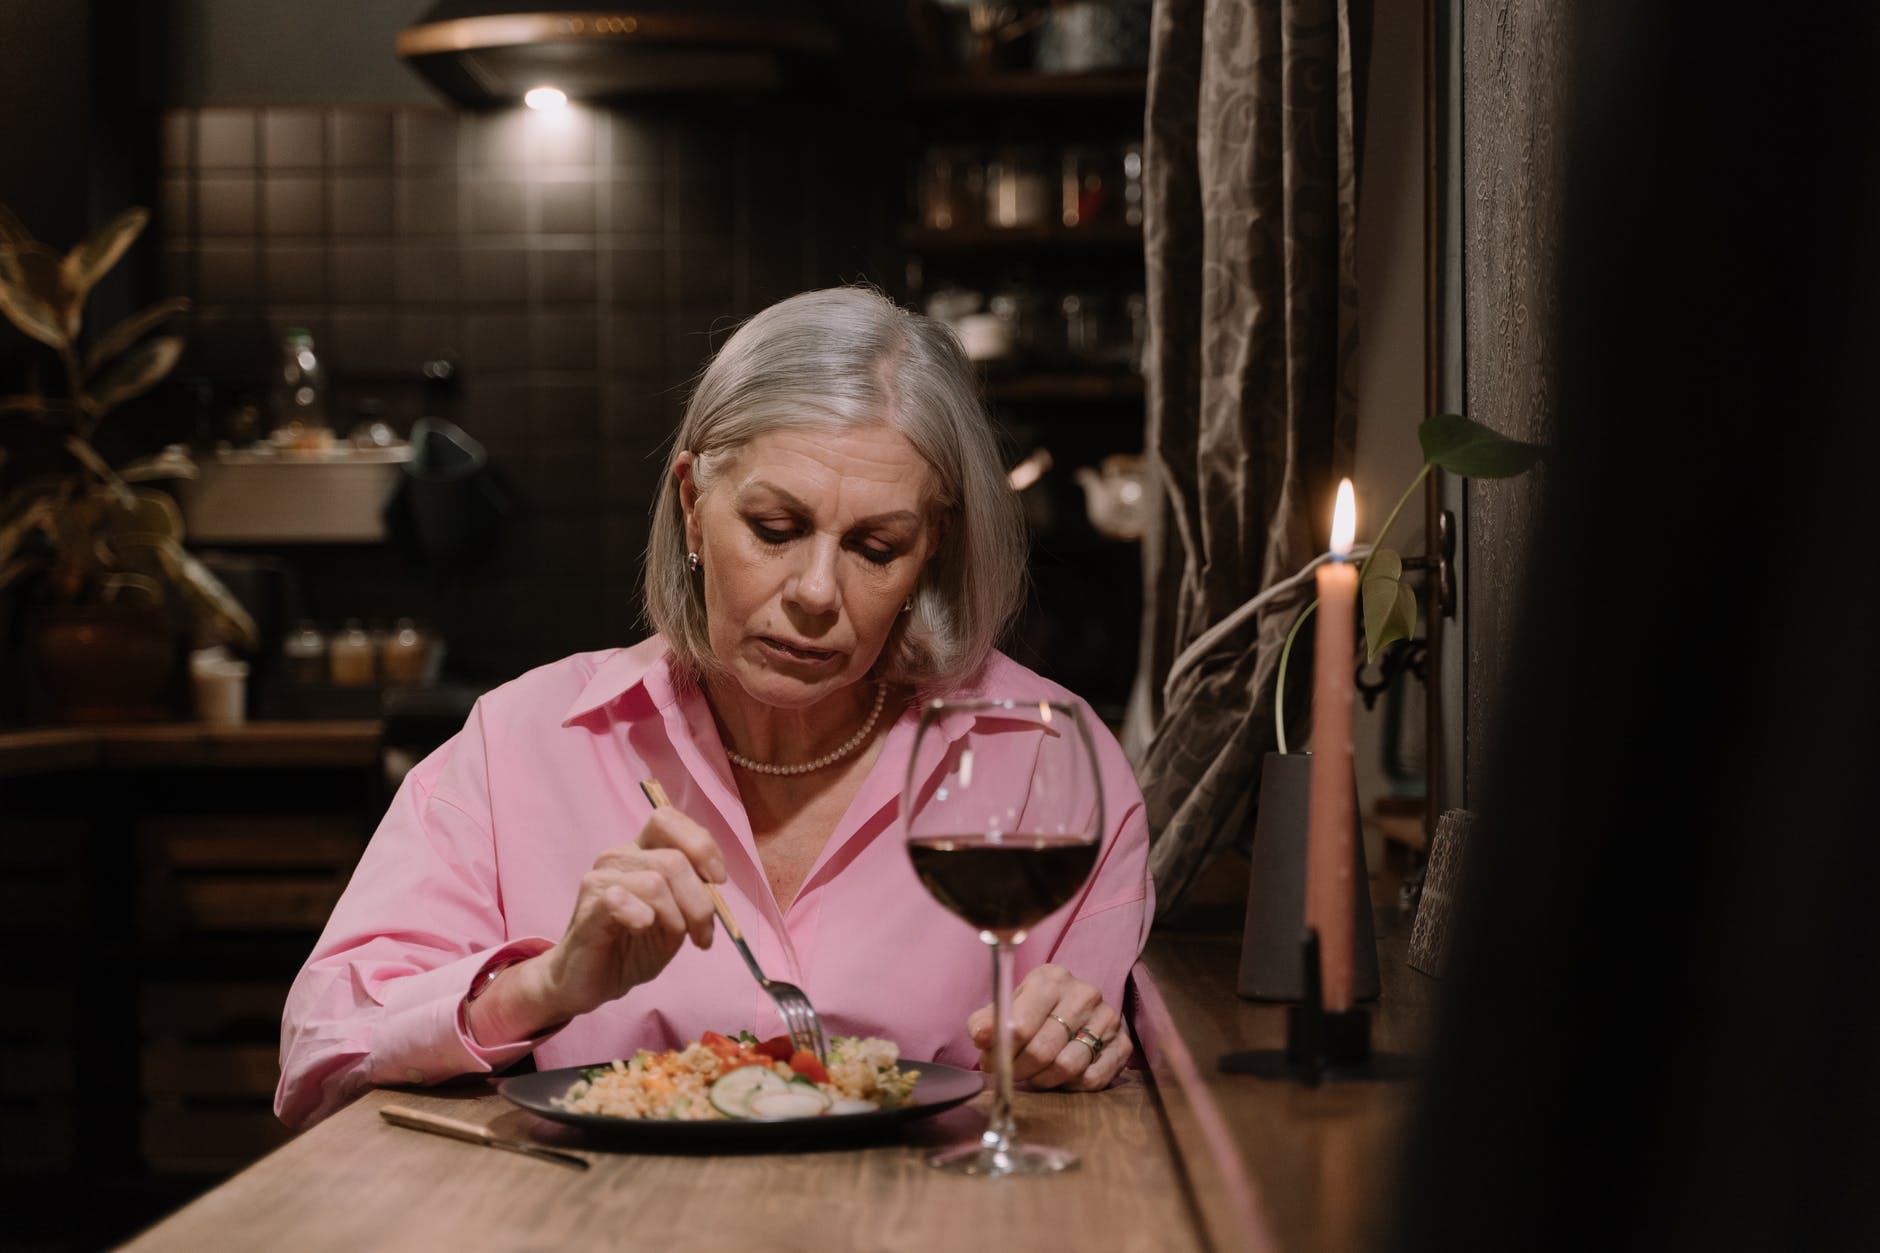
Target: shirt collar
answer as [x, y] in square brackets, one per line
[647, 664]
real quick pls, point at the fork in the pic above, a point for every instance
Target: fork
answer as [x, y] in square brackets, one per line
[799, 1017]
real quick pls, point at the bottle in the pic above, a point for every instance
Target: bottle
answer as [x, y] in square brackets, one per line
[349, 657]
[300, 413]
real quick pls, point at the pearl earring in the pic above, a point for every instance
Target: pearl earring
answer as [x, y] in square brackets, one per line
[691, 563]
[908, 606]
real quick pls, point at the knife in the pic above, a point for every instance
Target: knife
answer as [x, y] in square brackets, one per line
[420, 1120]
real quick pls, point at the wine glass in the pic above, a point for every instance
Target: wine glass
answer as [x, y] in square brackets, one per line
[1003, 810]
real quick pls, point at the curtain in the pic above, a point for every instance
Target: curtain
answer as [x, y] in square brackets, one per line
[1250, 221]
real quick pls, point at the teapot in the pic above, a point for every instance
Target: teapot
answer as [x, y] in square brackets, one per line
[1116, 496]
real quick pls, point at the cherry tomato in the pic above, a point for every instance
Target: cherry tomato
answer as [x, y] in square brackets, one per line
[777, 1047]
[804, 1063]
[721, 1045]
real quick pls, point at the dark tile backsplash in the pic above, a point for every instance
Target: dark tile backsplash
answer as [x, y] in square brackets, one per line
[577, 269]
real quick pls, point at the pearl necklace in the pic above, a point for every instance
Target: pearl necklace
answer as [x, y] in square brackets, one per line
[827, 759]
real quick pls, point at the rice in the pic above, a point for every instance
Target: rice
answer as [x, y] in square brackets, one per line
[676, 1084]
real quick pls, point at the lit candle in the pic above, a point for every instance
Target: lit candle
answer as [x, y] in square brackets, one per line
[1329, 829]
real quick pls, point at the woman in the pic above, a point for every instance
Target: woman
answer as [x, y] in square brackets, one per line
[833, 536]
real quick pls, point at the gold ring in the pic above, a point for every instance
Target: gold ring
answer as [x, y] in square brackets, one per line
[1068, 1029]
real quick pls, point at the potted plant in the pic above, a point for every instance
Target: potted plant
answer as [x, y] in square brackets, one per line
[94, 554]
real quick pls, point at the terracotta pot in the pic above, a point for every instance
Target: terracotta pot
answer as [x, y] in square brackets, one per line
[95, 663]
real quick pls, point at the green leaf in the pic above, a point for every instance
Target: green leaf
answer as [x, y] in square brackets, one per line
[33, 296]
[1472, 450]
[1390, 607]
[226, 616]
[136, 372]
[130, 330]
[89, 261]
[171, 463]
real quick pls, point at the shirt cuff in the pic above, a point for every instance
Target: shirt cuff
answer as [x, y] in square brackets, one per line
[423, 1036]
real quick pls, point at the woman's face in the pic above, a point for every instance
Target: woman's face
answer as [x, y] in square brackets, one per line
[811, 541]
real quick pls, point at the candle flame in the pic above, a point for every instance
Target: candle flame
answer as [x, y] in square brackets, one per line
[1344, 519]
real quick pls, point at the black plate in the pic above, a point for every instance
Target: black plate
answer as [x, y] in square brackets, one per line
[938, 1088]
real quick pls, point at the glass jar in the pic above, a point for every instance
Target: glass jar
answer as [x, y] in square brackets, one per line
[1132, 184]
[1017, 191]
[1083, 315]
[1086, 187]
[303, 655]
[952, 189]
[401, 655]
[350, 661]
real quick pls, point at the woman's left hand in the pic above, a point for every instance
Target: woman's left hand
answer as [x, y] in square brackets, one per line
[1055, 1016]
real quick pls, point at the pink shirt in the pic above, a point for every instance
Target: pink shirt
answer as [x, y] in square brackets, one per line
[480, 854]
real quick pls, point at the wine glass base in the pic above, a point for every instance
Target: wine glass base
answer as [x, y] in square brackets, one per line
[1015, 1159]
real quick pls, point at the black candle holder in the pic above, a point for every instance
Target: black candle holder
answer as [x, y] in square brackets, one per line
[1321, 1044]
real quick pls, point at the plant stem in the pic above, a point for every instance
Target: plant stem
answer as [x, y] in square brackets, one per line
[1285, 652]
[1395, 510]
[1279, 683]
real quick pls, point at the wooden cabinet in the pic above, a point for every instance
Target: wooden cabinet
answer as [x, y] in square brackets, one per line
[160, 887]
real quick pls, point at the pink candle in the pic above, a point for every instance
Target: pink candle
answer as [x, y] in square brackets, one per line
[1330, 825]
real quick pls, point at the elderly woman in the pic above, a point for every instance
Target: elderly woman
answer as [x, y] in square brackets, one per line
[833, 538]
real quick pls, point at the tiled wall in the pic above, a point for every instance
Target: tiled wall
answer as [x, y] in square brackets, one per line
[574, 265]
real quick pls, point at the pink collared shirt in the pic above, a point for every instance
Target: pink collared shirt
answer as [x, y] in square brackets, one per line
[480, 854]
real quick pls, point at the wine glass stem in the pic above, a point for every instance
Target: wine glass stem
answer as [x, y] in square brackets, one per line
[1001, 1131]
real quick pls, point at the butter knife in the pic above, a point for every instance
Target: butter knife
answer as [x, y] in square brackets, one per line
[421, 1120]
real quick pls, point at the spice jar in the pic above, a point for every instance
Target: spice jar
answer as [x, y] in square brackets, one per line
[349, 657]
[303, 655]
[401, 655]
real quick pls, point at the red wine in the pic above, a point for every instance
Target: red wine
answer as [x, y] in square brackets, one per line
[1004, 885]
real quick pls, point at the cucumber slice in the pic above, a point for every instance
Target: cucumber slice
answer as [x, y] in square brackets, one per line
[795, 1102]
[731, 1093]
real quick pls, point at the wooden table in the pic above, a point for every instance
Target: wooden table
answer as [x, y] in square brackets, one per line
[354, 1183]
[1277, 1165]
[1186, 1158]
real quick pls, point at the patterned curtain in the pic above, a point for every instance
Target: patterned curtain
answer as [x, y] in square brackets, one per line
[1251, 221]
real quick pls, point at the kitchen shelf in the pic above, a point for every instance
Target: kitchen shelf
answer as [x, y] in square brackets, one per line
[1120, 85]
[972, 239]
[1065, 386]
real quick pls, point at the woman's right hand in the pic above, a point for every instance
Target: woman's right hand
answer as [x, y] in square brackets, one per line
[633, 910]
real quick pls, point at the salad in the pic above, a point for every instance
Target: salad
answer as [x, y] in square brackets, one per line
[741, 1076]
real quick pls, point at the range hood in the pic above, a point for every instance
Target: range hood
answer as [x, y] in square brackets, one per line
[488, 52]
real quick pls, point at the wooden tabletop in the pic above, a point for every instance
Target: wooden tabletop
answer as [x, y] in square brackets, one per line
[1276, 1164]
[355, 1182]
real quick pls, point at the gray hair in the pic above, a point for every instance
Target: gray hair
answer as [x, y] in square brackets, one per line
[847, 357]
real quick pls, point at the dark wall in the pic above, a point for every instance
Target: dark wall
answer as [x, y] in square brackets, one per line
[578, 267]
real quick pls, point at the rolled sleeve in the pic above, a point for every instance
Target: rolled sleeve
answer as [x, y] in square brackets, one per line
[380, 999]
